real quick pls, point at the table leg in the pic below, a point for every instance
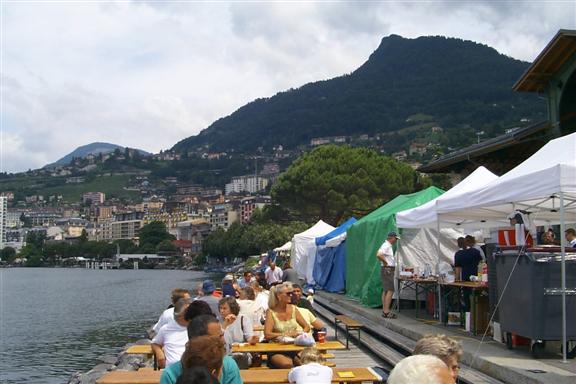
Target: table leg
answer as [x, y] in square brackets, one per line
[417, 301]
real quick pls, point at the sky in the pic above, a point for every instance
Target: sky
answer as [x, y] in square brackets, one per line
[147, 74]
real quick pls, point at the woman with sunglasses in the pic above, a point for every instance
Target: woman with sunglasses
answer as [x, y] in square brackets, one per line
[283, 319]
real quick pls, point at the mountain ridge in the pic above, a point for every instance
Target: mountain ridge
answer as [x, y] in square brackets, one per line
[464, 85]
[94, 148]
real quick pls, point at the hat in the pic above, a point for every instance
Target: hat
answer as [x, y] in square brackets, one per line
[310, 291]
[393, 234]
[229, 277]
[208, 286]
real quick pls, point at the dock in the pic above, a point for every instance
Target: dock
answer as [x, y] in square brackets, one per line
[483, 361]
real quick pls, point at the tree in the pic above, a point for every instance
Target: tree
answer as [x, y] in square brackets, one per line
[153, 234]
[333, 183]
[166, 246]
[7, 254]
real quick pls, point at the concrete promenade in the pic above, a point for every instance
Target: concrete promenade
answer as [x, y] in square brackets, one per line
[489, 357]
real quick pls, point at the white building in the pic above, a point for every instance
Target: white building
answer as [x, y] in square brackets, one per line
[3, 215]
[246, 183]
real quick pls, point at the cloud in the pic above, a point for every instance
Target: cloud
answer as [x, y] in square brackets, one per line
[147, 74]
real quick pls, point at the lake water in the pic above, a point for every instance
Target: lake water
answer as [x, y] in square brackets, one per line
[54, 322]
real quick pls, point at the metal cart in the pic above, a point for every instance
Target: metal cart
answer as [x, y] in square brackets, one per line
[531, 304]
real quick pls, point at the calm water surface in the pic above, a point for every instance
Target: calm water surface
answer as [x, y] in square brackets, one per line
[54, 322]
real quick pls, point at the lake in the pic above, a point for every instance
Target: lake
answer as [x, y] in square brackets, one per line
[56, 321]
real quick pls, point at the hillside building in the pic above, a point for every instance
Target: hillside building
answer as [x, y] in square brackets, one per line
[249, 204]
[3, 214]
[93, 198]
[246, 183]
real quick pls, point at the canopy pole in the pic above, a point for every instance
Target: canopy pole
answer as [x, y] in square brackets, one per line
[438, 265]
[563, 275]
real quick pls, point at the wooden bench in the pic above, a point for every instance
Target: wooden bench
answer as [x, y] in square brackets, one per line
[350, 324]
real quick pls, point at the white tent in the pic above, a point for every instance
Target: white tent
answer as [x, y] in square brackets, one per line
[304, 249]
[426, 215]
[544, 185]
[286, 247]
[535, 186]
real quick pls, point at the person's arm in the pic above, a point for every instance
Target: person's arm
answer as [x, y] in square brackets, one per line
[381, 256]
[159, 354]
[300, 319]
[269, 333]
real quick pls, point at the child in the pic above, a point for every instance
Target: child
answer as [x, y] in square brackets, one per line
[310, 296]
[311, 371]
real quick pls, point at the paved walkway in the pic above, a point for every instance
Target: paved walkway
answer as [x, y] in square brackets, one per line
[488, 356]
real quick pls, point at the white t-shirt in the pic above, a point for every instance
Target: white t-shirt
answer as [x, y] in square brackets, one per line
[312, 373]
[573, 243]
[262, 299]
[173, 338]
[273, 276]
[234, 333]
[388, 251]
[166, 317]
[252, 309]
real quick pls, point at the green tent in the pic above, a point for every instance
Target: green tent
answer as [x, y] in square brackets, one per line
[365, 237]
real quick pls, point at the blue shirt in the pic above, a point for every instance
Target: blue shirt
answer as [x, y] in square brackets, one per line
[468, 260]
[230, 372]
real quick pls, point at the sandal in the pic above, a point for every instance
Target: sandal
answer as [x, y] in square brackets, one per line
[388, 315]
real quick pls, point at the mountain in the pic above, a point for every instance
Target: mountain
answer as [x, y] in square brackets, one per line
[464, 87]
[94, 149]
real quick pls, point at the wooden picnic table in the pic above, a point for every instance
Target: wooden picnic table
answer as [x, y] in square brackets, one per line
[280, 376]
[144, 349]
[273, 376]
[278, 347]
[131, 377]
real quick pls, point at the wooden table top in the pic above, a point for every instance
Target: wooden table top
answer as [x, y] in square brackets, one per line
[421, 280]
[249, 376]
[131, 377]
[280, 376]
[467, 284]
[277, 347]
[145, 349]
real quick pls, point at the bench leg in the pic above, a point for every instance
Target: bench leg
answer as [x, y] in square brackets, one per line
[336, 328]
[347, 336]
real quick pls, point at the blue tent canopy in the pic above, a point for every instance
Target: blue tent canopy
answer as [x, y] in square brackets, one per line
[330, 263]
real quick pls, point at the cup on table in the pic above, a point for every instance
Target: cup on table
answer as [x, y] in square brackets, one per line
[321, 336]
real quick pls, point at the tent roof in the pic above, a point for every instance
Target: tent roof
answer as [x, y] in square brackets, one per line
[534, 186]
[336, 232]
[286, 247]
[401, 203]
[319, 229]
[426, 215]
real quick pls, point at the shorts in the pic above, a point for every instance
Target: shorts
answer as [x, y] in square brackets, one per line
[387, 275]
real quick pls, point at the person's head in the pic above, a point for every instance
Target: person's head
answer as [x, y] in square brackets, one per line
[548, 237]
[208, 287]
[228, 279]
[445, 348]
[280, 294]
[515, 218]
[199, 291]
[247, 293]
[311, 355]
[228, 306]
[570, 234]
[272, 265]
[469, 241]
[392, 237]
[421, 369]
[197, 308]
[255, 285]
[207, 351]
[196, 375]
[461, 243]
[204, 325]
[179, 293]
[180, 308]
[297, 295]
[247, 276]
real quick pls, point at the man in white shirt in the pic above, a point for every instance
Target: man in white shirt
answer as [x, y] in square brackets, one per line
[168, 315]
[170, 342]
[273, 274]
[387, 268]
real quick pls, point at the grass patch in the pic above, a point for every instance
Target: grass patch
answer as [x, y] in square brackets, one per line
[112, 186]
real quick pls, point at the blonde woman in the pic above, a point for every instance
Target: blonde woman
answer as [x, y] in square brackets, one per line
[311, 371]
[283, 319]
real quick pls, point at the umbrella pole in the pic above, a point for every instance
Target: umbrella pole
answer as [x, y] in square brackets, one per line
[563, 275]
